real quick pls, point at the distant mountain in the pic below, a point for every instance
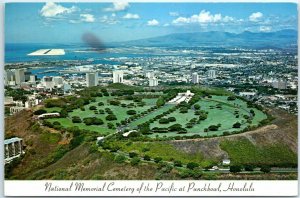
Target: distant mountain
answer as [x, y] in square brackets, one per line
[279, 39]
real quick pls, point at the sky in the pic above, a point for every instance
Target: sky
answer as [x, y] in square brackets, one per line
[121, 21]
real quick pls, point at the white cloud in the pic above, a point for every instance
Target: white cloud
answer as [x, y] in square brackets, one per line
[109, 20]
[254, 17]
[131, 16]
[87, 18]
[166, 25]
[173, 13]
[51, 9]
[203, 17]
[265, 28]
[153, 22]
[118, 6]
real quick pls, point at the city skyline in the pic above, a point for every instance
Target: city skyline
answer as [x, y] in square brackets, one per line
[121, 21]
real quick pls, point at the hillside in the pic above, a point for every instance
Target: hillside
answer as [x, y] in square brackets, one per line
[44, 159]
[279, 39]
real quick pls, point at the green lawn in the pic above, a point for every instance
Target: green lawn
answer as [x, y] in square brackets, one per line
[224, 116]
[244, 152]
[164, 150]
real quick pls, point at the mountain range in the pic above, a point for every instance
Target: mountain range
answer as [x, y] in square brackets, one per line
[280, 39]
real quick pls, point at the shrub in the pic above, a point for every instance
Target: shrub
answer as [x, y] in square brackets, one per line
[265, 169]
[147, 158]
[236, 125]
[111, 117]
[171, 119]
[133, 154]
[235, 169]
[197, 106]
[192, 165]
[120, 158]
[157, 159]
[40, 112]
[100, 103]
[163, 121]
[93, 108]
[177, 163]
[131, 112]
[76, 119]
[135, 161]
[249, 168]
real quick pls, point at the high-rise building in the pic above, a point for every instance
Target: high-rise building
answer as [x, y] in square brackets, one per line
[47, 82]
[91, 79]
[9, 76]
[20, 76]
[212, 73]
[149, 75]
[153, 82]
[195, 78]
[118, 76]
[58, 80]
[279, 84]
[32, 78]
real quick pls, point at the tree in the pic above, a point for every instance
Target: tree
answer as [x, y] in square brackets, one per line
[249, 168]
[172, 119]
[135, 161]
[183, 110]
[235, 169]
[177, 163]
[192, 165]
[76, 119]
[265, 169]
[160, 102]
[133, 154]
[110, 125]
[213, 128]
[147, 158]
[157, 159]
[131, 112]
[197, 106]
[115, 102]
[93, 108]
[100, 103]
[111, 117]
[236, 125]
[120, 158]
[40, 112]
[175, 127]
[230, 98]
[163, 121]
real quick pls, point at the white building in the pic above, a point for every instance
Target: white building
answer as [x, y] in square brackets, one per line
[47, 82]
[91, 79]
[279, 84]
[58, 81]
[212, 73]
[153, 82]
[13, 148]
[9, 76]
[32, 78]
[20, 76]
[195, 78]
[149, 75]
[118, 76]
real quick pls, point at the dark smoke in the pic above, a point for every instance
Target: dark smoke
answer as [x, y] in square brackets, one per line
[93, 41]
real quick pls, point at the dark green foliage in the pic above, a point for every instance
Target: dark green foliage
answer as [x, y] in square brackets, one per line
[131, 112]
[76, 119]
[93, 108]
[177, 163]
[235, 169]
[236, 125]
[147, 158]
[40, 111]
[133, 154]
[135, 161]
[192, 165]
[265, 169]
[111, 117]
[157, 159]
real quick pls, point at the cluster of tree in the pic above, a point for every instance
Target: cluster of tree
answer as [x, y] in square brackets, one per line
[239, 168]
[93, 121]
[173, 128]
[236, 125]
[231, 98]
[76, 119]
[17, 94]
[167, 120]
[39, 112]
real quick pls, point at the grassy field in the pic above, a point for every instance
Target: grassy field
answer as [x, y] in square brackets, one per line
[225, 116]
[164, 150]
[244, 152]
